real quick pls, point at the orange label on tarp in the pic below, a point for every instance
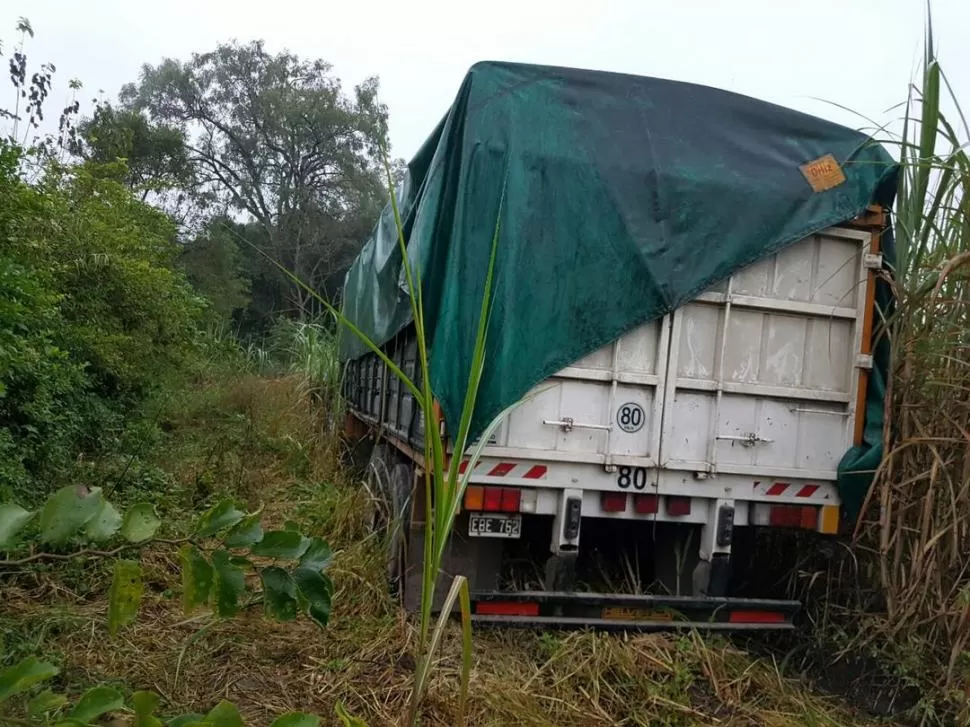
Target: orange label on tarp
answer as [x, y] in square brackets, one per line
[823, 173]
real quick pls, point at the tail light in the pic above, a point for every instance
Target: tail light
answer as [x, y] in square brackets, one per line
[829, 519]
[646, 504]
[793, 516]
[756, 617]
[613, 501]
[511, 499]
[507, 608]
[493, 499]
[678, 506]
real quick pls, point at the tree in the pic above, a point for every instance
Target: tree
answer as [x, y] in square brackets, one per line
[213, 265]
[30, 98]
[276, 138]
[156, 162]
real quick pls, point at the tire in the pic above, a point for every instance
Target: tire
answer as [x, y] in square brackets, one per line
[377, 481]
[388, 482]
[398, 527]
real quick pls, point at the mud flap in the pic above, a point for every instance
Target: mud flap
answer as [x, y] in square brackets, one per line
[478, 559]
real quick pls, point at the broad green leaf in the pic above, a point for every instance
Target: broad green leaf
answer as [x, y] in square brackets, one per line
[141, 523]
[222, 516]
[287, 544]
[228, 585]
[197, 576]
[104, 524]
[348, 720]
[317, 556]
[95, 702]
[189, 720]
[67, 511]
[145, 704]
[24, 675]
[245, 533]
[279, 594]
[317, 589]
[45, 702]
[296, 719]
[125, 595]
[224, 714]
[13, 519]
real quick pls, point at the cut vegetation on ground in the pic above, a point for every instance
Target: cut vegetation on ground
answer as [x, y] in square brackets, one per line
[264, 441]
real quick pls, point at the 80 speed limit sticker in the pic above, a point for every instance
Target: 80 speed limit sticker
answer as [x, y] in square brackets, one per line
[630, 417]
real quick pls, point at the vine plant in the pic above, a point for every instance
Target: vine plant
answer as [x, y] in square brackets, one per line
[226, 544]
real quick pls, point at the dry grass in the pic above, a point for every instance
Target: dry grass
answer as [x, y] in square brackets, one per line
[901, 598]
[262, 439]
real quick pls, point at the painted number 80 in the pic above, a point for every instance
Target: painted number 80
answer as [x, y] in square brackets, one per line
[636, 476]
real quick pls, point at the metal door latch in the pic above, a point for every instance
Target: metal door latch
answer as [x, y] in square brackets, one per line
[567, 424]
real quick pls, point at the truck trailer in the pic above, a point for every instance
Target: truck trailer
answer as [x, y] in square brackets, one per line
[687, 291]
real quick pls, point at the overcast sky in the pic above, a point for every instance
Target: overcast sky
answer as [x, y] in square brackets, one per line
[806, 55]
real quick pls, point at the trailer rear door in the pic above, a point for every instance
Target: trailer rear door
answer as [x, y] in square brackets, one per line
[764, 369]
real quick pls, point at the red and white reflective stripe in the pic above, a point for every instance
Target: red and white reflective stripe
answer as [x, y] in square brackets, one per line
[521, 470]
[785, 489]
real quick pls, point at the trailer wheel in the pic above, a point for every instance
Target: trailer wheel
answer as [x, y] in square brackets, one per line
[376, 481]
[401, 483]
[388, 482]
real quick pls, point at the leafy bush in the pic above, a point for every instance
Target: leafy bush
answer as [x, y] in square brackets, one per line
[226, 545]
[94, 318]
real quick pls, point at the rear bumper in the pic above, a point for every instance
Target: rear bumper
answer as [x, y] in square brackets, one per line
[622, 612]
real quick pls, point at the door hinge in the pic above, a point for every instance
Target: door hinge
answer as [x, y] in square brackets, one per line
[863, 361]
[873, 261]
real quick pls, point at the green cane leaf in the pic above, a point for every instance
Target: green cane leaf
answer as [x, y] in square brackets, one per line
[67, 511]
[285, 544]
[141, 523]
[228, 585]
[279, 594]
[197, 577]
[13, 519]
[125, 595]
[222, 516]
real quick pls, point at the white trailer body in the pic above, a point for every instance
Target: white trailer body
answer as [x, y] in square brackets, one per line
[732, 411]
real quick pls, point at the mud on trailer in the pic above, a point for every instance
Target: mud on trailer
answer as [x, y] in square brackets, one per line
[644, 461]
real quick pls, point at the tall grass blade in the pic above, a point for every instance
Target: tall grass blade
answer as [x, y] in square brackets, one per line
[459, 586]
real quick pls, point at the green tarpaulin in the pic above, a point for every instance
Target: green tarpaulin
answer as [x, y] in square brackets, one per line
[624, 197]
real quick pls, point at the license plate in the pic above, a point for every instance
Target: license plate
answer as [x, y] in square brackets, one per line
[495, 526]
